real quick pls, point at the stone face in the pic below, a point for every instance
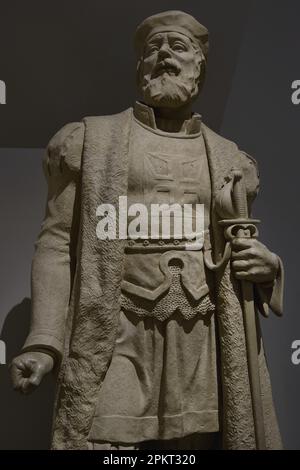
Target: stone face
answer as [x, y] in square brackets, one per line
[131, 321]
[172, 49]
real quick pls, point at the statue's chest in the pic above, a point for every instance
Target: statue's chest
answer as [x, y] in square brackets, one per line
[166, 169]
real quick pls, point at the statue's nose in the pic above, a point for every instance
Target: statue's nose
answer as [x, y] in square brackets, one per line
[164, 51]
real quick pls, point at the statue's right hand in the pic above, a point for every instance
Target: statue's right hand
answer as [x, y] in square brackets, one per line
[28, 370]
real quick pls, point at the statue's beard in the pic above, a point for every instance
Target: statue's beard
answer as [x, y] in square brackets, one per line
[169, 91]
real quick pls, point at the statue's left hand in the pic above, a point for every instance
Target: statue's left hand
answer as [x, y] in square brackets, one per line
[252, 261]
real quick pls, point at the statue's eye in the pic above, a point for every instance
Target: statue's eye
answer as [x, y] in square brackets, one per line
[152, 49]
[179, 47]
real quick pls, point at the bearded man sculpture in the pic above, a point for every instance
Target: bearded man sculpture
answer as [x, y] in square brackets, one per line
[148, 335]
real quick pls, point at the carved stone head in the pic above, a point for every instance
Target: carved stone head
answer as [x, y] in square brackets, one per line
[172, 49]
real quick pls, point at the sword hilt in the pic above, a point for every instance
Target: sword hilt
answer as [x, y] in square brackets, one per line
[247, 228]
[241, 226]
[239, 194]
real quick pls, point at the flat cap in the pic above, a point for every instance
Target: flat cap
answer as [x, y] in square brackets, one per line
[172, 21]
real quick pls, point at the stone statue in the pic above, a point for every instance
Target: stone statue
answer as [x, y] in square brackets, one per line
[155, 341]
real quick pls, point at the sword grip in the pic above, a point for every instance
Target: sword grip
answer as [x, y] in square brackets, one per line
[239, 194]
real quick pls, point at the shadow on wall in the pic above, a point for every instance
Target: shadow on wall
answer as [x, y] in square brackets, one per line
[25, 420]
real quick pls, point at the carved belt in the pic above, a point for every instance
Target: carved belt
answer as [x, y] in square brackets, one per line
[162, 245]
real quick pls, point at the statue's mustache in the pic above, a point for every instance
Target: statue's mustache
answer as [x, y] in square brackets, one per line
[168, 65]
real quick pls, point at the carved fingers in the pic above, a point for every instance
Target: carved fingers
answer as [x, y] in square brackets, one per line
[28, 370]
[252, 261]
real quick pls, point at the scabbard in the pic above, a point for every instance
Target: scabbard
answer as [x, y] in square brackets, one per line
[251, 338]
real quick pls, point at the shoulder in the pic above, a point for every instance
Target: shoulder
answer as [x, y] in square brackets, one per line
[101, 123]
[217, 141]
[64, 150]
[238, 156]
[248, 164]
[235, 158]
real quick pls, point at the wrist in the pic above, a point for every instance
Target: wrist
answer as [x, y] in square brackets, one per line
[43, 350]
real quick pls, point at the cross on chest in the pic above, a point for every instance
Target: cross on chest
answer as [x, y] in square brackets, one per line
[174, 178]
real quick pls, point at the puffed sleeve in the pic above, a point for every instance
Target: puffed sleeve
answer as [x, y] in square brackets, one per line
[55, 250]
[268, 295]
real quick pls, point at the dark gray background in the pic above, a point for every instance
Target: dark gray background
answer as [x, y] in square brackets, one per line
[63, 60]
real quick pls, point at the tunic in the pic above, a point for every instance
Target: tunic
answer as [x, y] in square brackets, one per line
[162, 382]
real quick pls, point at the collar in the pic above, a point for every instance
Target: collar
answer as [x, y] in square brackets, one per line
[145, 115]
